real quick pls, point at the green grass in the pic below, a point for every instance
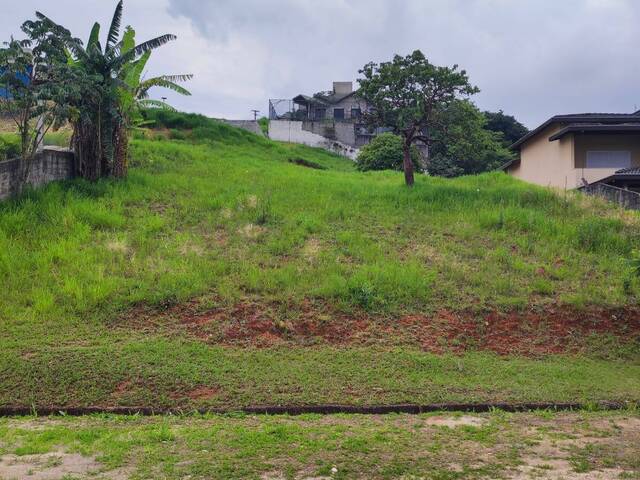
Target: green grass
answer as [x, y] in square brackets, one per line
[339, 447]
[120, 370]
[224, 213]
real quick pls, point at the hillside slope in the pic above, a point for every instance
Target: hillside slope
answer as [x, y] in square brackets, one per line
[223, 263]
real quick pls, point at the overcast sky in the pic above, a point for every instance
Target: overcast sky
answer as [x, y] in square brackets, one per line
[530, 58]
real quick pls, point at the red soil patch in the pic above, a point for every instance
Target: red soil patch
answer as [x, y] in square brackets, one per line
[554, 330]
[122, 387]
[201, 393]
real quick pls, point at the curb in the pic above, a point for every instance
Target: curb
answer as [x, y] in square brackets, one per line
[329, 409]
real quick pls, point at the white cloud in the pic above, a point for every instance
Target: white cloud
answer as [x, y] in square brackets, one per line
[532, 58]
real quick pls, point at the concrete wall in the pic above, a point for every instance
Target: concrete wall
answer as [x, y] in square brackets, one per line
[343, 132]
[293, 132]
[249, 125]
[51, 164]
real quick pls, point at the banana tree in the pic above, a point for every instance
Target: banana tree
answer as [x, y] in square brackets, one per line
[100, 126]
[135, 96]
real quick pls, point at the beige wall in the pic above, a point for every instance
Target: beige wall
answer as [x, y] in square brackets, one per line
[626, 142]
[562, 162]
[585, 143]
[547, 163]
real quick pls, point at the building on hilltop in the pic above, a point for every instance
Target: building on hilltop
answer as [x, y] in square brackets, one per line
[331, 120]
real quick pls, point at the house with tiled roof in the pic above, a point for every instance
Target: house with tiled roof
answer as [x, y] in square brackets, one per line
[577, 150]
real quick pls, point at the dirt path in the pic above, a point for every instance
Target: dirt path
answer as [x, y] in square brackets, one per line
[543, 445]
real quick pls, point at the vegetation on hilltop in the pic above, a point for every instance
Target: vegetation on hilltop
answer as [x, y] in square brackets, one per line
[506, 125]
[411, 96]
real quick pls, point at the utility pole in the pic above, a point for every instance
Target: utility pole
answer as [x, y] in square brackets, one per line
[255, 114]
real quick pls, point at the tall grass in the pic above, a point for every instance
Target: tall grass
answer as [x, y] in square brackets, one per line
[230, 216]
[237, 218]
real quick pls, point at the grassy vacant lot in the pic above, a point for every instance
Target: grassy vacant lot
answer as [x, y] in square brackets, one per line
[498, 445]
[225, 272]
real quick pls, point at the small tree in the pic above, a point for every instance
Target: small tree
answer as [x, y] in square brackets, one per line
[409, 94]
[38, 88]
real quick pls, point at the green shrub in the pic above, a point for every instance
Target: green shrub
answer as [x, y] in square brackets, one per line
[175, 120]
[264, 125]
[384, 153]
[176, 134]
[9, 146]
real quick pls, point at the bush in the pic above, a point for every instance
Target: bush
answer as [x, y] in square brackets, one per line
[264, 125]
[175, 120]
[385, 153]
[9, 146]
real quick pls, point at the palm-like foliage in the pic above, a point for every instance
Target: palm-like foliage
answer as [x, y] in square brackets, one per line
[135, 96]
[104, 114]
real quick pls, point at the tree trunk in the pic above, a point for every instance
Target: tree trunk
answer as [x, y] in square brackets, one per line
[87, 149]
[407, 163]
[121, 154]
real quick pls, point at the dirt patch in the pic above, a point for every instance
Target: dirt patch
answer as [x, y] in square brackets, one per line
[534, 332]
[203, 393]
[576, 448]
[453, 422]
[188, 248]
[252, 201]
[122, 388]
[118, 246]
[53, 466]
[311, 249]
[251, 231]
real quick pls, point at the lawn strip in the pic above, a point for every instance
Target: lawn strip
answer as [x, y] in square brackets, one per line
[163, 374]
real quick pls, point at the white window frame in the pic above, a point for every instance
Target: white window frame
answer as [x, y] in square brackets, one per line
[617, 159]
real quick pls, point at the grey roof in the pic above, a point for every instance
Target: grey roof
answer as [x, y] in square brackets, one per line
[508, 164]
[335, 98]
[625, 173]
[631, 171]
[307, 99]
[596, 128]
[581, 118]
[322, 100]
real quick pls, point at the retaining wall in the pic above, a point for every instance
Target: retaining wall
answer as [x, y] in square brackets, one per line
[51, 164]
[293, 132]
[249, 125]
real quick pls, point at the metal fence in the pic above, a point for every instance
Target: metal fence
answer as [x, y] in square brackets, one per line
[285, 109]
[625, 198]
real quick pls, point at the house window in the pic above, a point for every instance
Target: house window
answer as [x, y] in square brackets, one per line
[338, 113]
[608, 159]
[356, 113]
[320, 113]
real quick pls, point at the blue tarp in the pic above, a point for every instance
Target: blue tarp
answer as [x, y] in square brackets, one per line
[24, 77]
